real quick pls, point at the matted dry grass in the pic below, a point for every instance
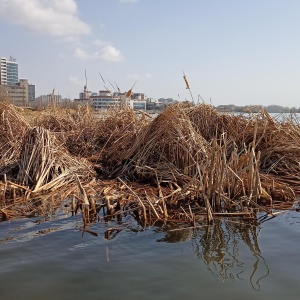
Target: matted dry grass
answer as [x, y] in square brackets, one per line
[189, 164]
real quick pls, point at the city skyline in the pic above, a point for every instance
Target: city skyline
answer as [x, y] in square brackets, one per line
[232, 52]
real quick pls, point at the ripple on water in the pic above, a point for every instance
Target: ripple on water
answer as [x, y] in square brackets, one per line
[151, 263]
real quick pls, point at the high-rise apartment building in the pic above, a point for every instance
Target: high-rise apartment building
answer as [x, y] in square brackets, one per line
[12, 71]
[9, 71]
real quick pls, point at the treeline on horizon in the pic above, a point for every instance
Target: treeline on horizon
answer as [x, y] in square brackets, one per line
[256, 108]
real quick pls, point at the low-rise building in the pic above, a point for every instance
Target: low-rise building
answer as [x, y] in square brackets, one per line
[17, 93]
[154, 104]
[166, 101]
[103, 100]
[137, 104]
[139, 96]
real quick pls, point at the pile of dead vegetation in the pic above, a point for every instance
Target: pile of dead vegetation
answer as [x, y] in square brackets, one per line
[36, 168]
[190, 163]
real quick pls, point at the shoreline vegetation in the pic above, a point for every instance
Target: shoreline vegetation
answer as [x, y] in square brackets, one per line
[187, 166]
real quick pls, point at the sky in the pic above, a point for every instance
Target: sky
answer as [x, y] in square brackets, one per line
[232, 51]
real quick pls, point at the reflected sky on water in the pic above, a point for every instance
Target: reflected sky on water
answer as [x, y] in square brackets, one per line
[52, 259]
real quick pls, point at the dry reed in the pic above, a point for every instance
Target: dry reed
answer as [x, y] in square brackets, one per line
[188, 164]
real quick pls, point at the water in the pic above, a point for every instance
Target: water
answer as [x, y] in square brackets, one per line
[51, 259]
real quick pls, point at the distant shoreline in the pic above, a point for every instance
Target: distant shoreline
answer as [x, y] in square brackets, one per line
[256, 108]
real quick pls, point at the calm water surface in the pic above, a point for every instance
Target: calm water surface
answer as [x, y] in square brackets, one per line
[50, 259]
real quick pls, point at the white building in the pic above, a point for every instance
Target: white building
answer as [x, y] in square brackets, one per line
[137, 104]
[104, 100]
[107, 99]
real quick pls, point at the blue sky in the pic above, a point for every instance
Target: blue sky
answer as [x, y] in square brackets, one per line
[232, 51]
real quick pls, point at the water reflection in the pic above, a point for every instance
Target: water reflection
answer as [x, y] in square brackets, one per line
[229, 249]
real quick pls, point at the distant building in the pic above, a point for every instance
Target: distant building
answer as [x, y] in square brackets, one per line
[3, 71]
[137, 104]
[20, 93]
[106, 99]
[50, 99]
[9, 71]
[139, 96]
[138, 101]
[103, 100]
[84, 97]
[166, 101]
[154, 104]
[85, 94]
[17, 93]
[12, 71]
[31, 93]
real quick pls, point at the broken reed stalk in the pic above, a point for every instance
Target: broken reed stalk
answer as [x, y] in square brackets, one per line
[153, 208]
[139, 200]
[85, 204]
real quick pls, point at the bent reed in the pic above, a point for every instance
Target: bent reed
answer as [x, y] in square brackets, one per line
[188, 165]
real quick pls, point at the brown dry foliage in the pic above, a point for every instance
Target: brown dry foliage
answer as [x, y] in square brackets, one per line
[191, 155]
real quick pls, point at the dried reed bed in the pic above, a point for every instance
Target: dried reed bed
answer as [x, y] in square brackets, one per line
[276, 140]
[90, 135]
[13, 127]
[118, 129]
[45, 164]
[38, 168]
[167, 148]
[189, 164]
[78, 129]
[214, 158]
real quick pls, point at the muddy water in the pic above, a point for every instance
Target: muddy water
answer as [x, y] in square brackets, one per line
[51, 259]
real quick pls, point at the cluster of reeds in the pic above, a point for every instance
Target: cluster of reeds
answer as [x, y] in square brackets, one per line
[35, 166]
[76, 128]
[188, 164]
[13, 127]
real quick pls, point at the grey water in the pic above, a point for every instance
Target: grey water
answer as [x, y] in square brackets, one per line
[52, 258]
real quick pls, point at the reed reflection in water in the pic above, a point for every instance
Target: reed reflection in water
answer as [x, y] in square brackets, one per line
[229, 249]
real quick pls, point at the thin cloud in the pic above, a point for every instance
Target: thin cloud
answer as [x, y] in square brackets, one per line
[105, 52]
[110, 53]
[51, 17]
[81, 54]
